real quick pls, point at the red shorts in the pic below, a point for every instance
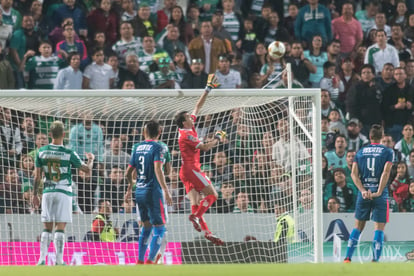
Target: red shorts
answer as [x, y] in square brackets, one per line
[193, 178]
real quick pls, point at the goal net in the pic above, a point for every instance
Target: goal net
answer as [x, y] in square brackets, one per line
[267, 174]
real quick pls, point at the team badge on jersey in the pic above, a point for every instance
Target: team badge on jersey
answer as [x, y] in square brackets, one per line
[192, 138]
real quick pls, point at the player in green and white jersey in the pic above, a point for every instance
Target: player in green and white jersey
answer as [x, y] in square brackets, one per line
[42, 69]
[55, 162]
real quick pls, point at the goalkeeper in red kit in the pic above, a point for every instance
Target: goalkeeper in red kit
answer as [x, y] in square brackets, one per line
[195, 181]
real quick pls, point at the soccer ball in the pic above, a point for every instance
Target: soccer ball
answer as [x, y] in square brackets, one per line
[276, 49]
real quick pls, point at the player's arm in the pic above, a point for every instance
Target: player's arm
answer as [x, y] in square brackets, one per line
[37, 180]
[211, 83]
[357, 181]
[87, 168]
[129, 176]
[384, 180]
[161, 179]
[220, 136]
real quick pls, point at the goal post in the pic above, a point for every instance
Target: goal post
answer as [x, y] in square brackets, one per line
[264, 165]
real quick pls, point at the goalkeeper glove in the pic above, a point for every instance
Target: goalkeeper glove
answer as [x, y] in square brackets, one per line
[211, 82]
[220, 135]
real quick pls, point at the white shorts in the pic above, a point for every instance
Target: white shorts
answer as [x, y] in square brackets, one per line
[56, 207]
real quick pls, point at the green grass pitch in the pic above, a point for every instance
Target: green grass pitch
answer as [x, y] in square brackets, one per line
[375, 269]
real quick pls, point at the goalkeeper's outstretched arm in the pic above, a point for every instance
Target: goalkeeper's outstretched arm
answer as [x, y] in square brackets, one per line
[211, 83]
[218, 137]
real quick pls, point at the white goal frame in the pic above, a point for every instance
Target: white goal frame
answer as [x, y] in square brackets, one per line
[316, 128]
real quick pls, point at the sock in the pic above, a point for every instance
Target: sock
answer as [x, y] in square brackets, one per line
[352, 243]
[59, 242]
[194, 208]
[143, 242]
[203, 225]
[164, 243]
[45, 240]
[156, 241]
[205, 204]
[377, 244]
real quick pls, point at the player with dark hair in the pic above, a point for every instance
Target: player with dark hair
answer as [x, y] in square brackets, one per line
[56, 162]
[370, 172]
[195, 181]
[147, 160]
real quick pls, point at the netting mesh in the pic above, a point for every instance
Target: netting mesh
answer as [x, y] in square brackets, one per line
[259, 172]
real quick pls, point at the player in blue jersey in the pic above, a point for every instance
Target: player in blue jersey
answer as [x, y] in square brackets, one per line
[370, 172]
[147, 160]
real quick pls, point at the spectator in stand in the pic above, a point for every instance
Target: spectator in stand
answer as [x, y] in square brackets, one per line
[337, 157]
[23, 41]
[386, 79]
[248, 41]
[262, 20]
[358, 57]
[26, 175]
[41, 140]
[283, 83]
[228, 78]
[301, 66]
[243, 204]
[149, 54]
[28, 134]
[334, 53]
[69, 9]
[99, 41]
[381, 53]
[164, 14]
[40, 20]
[257, 61]
[317, 57]
[71, 76]
[406, 144]
[225, 203]
[10, 140]
[98, 75]
[114, 63]
[367, 17]
[397, 104]
[364, 100]
[380, 24]
[143, 23]
[163, 77]
[193, 18]
[104, 19]
[132, 72]
[408, 203]
[128, 10]
[186, 33]
[339, 188]
[289, 21]
[70, 44]
[331, 81]
[335, 123]
[6, 72]
[400, 15]
[409, 70]
[400, 183]
[409, 30]
[270, 72]
[11, 192]
[6, 31]
[181, 65]
[207, 47]
[128, 85]
[348, 77]
[114, 188]
[313, 19]
[115, 155]
[389, 143]
[281, 149]
[220, 32]
[400, 43]
[273, 31]
[42, 69]
[170, 42]
[347, 29]
[356, 140]
[127, 43]
[327, 105]
[87, 137]
[197, 77]
[333, 205]
[11, 16]
[87, 184]
[207, 8]
[350, 156]
[221, 171]
[56, 35]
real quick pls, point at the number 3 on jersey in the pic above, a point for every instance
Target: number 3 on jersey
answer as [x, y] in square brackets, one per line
[141, 171]
[371, 166]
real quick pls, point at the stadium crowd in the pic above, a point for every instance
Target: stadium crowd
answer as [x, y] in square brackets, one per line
[360, 53]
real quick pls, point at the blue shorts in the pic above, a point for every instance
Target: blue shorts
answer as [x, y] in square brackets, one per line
[376, 209]
[151, 206]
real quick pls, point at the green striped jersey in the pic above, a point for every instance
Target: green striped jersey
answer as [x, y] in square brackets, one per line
[56, 162]
[232, 25]
[146, 59]
[256, 7]
[122, 49]
[157, 78]
[42, 71]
